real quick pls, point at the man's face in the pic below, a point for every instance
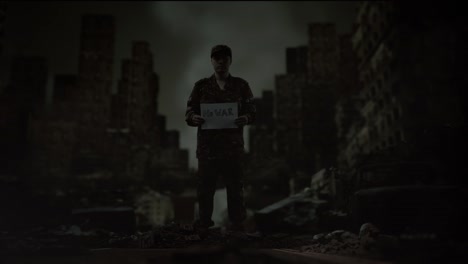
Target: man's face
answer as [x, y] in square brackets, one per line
[221, 63]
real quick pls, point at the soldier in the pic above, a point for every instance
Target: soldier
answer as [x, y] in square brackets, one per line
[220, 151]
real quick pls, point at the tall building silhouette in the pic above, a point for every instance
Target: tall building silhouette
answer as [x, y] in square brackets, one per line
[135, 104]
[92, 97]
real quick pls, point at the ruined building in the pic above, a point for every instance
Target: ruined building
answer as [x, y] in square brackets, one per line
[21, 101]
[88, 132]
[92, 98]
[321, 95]
[170, 164]
[409, 69]
[135, 103]
[3, 17]
[3, 14]
[288, 107]
[348, 105]
[305, 132]
[306, 97]
[261, 134]
[52, 132]
[141, 146]
[133, 122]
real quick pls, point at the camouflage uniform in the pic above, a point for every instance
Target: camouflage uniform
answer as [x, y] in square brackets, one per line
[221, 151]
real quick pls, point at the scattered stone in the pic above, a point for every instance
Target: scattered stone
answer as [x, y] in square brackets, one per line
[320, 237]
[368, 235]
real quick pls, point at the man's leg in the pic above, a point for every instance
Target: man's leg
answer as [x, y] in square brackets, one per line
[234, 177]
[207, 177]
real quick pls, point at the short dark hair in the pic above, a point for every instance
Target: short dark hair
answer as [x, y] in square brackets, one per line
[221, 49]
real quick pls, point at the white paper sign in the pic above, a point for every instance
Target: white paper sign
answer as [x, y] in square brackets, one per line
[219, 116]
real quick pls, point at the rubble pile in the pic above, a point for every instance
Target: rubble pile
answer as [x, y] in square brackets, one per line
[281, 241]
[182, 236]
[76, 239]
[338, 242]
[168, 236]
[369, 242]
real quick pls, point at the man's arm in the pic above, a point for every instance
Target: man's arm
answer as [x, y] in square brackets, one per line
[249, 109]
[192, 113]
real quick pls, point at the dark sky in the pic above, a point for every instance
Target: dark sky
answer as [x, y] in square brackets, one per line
[180, 34]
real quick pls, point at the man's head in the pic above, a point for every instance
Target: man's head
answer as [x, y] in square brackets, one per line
[221, 58]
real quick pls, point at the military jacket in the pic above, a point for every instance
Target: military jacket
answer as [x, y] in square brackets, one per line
[220, 143]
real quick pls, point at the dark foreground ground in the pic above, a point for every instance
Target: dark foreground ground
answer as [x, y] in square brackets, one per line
[181, 244]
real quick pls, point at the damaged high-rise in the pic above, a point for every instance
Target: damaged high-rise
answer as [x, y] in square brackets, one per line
[409, 70]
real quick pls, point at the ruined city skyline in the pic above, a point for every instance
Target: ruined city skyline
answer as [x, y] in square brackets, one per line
[179, 39]
[356, 149]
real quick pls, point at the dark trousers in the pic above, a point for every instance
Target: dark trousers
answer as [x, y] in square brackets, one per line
[208, 173]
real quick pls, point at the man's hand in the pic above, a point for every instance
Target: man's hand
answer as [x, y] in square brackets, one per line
[241, 120]
[197, 120]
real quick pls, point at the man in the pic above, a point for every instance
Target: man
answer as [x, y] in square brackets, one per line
[220, 151]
